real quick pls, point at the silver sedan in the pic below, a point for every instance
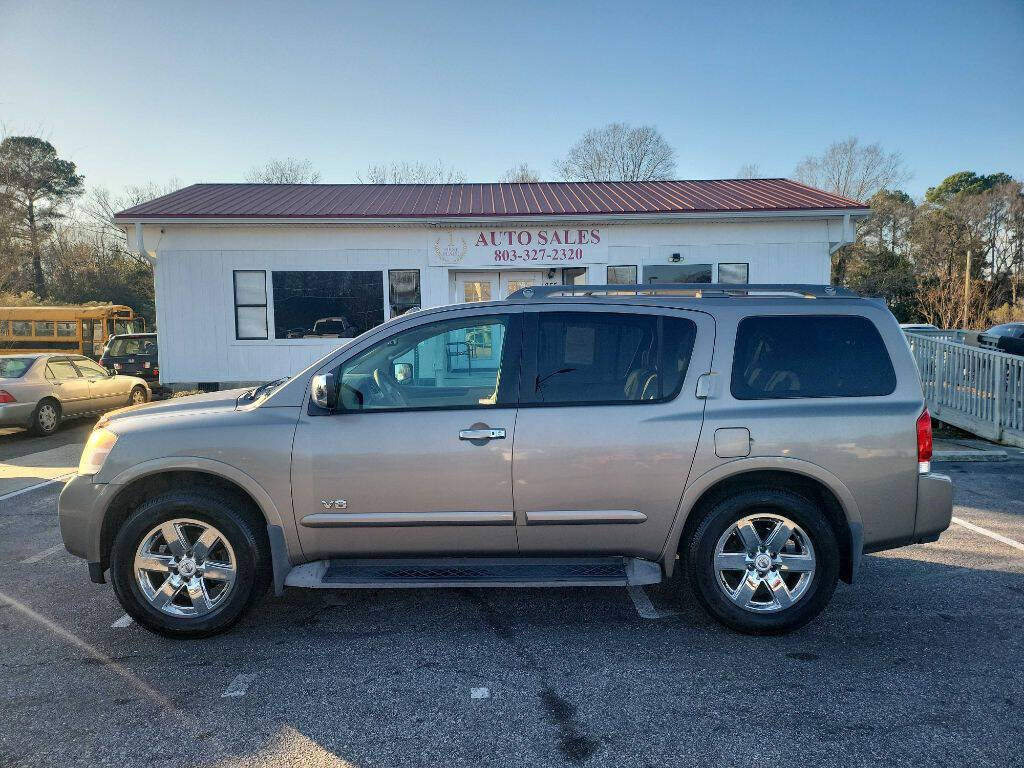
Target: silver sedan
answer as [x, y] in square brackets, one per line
[38, 391]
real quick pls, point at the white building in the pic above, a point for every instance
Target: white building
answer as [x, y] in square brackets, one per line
[256, 281]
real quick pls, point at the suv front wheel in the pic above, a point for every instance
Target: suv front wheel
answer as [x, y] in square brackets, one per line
[764, 561]
[188, 564]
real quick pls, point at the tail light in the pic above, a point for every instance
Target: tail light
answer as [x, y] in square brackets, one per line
[6, 397]
[924, 442]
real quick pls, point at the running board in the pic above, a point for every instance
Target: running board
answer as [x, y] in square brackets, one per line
[412, 572]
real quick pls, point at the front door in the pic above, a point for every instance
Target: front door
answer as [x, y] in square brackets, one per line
[607, 428]
[417, 457]
[105, 391]
[492, 285]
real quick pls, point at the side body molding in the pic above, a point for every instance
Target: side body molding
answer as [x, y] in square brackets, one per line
[696, 488]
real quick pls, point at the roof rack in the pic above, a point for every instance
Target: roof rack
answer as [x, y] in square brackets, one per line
[685, 290]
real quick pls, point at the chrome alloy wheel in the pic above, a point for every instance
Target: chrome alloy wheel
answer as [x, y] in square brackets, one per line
[764, 562]
[185, 567]
[47, 417]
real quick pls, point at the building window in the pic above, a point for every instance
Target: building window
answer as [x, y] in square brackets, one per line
[574, 276]
[335, 305]
[250, 304]
[678, 273]
[733, 273]
[67, 329]
[622, 275]
[404, 290]
[787, 356]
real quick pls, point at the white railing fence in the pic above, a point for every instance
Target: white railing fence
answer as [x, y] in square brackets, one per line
[979, 390]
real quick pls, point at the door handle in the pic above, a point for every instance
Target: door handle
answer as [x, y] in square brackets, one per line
[482, 434]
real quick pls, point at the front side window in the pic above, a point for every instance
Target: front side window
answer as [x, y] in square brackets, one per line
[677, 273]
[90, 369]
[609, 358]
[448, 364]
[250, 304]
[790, 356]
[332, 305]
[625, 275]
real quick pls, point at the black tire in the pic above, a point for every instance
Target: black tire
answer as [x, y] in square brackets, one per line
[138, 391]
[40, 424]
[245, 534]
[704, 578]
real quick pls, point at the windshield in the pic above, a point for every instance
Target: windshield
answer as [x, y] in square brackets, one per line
[132, 346]
[14, 367]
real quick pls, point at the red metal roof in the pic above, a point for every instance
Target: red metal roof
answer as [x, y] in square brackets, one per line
[439, 201]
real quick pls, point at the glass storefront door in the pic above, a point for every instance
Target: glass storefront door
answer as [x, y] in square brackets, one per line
[492, 285]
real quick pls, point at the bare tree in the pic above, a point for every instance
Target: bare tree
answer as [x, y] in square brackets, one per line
[96, 214]
[749, 171]
[619, 152]
[853, 170]
[413, 173]
[521, 174]
[287, 171]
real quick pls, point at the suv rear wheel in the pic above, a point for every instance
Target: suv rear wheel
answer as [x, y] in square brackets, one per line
[189, 564]
[764, 561]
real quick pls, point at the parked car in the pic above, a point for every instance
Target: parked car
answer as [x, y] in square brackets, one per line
[135, 354]
[1008, 337]
[39, 391]
[759, 439]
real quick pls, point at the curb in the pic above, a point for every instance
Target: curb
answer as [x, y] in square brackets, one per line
[939, 456]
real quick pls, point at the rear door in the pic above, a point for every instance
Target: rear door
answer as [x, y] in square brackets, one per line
[69, 386]
[607, 427]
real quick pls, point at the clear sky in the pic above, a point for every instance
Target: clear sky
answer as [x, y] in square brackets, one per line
[144, 91]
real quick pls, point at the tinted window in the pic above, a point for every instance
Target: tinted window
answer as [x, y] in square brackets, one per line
[678, 273]
[138, 345]
[810, 356]
[14, 367]
[448, 364]
[593, 357]
[327, 304]
[61, 369]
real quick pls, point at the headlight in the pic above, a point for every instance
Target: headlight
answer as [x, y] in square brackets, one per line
[96, 450]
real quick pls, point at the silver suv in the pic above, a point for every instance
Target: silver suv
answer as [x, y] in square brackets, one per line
[759, 439]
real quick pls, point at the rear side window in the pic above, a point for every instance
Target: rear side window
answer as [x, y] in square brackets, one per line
[810, 356]
[596, 357]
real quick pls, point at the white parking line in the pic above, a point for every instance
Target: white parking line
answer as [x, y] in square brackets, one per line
[40, 555]
[990, 534]
[238, 686]
[124, 621]
[43, 484]
[644, 606]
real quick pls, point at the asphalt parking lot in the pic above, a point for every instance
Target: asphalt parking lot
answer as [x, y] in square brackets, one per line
[918, 663]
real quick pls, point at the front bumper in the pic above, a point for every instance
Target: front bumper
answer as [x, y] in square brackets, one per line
[16, 414]
[934, 507]
[80, 513]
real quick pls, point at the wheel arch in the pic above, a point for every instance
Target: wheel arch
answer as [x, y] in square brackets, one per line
[820, 485]
[151, 478]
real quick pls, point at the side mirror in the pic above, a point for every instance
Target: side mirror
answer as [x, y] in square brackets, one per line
[402, 372]
[323, 391]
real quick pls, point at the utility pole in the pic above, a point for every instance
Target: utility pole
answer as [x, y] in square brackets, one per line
[967, 289]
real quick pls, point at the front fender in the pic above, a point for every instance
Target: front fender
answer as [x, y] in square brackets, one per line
[697, 487]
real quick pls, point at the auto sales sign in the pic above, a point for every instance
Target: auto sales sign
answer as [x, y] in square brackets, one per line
[548, 246]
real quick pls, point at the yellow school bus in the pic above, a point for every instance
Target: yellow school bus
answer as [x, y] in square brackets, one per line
[78, 330]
